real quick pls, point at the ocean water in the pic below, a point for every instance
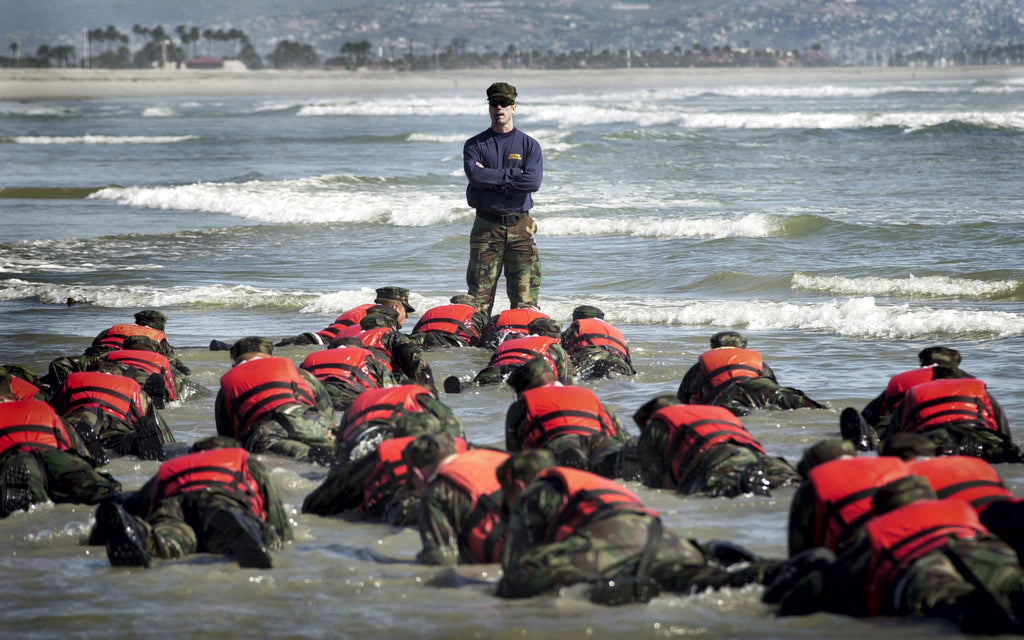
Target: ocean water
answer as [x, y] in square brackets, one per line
[842, 225]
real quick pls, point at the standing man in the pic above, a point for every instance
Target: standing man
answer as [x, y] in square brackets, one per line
[504, 167]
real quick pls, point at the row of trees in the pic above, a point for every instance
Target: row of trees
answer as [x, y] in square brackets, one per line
[108, 48]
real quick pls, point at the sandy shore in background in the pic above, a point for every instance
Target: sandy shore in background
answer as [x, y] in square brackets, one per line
[70, 84]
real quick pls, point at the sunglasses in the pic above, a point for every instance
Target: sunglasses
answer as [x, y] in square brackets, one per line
[500, 103]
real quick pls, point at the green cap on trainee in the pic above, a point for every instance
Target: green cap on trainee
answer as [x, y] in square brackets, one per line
[416, 423]
[501, 91]
[524, 465]
[652, 406]
[545, 327]
[903, 491]
[943, 356]
[151, 318]
[397, 294]
[251, 344]
[822, 452]
[463, 298]
[585, 311]
[428, 449]
[535, 373]
[728, 339]
[379, 315]
[140, 343]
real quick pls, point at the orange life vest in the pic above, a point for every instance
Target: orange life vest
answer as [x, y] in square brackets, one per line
[385, 478]
[966, 478]
[843, 490]
[482, 537]
[148, 361]
[374, 340]
[588, 498]
[456, 319]
[116, 334]
[380, 405]
[908, 533]
[720, 366]
[350, 318]
[344, 364]
[511, 323]
[256, 387]
[23, 389]
[553, 411]
[223, 469]
[593, 332]
[695, 428]
[28, 424]
[117, 396]
[899, 384]
[931, 405]
[390, 473]
[518, 351]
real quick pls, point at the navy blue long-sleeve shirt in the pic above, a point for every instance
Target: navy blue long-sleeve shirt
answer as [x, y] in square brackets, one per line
[513, 167]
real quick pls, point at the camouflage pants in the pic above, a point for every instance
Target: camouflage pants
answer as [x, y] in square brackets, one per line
[977, 583]
[628, 544]
[609, 548]
[180, 525]
[967, 439]
[493, 247]
[718, 472]
[762, 393]
[597, 454]
[115, 435]
[595, 362]
[60, 476]
[291, 431]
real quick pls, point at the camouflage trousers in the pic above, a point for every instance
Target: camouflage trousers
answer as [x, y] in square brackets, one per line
[597, 453]
[494, 247]
[113, 434]
[46, 475]
[968, 439]
[976, 583]
[625, 545]
[595, 362]
[762, 393]
[729, 470]
[180, 525]
[609, 548]
[291, 431]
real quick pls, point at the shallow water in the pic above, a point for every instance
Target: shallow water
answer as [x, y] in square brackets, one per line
[841, 227]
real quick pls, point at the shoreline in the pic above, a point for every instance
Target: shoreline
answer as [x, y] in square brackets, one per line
[36, 85]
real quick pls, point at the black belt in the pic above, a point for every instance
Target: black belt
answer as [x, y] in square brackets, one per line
[503, 218]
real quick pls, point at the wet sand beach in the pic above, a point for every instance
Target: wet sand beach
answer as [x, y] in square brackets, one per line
[71, 84]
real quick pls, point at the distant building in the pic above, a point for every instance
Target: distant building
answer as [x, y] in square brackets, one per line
[204, 63]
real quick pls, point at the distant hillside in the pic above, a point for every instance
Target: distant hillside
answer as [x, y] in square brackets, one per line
[857, 31]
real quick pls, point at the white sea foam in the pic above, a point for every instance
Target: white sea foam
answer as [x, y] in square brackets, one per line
[158, 112]
[98, 139]
[854, 317]
[652, 108]
[141, 296]
[584, 115]
[322, 199]
[444, 139]
[69, 256]
[750, 226]
[29, 109]
[911, 286]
